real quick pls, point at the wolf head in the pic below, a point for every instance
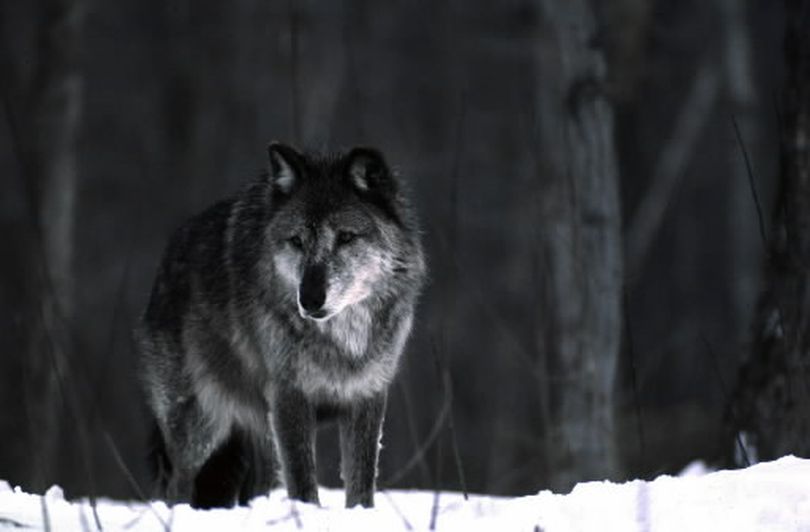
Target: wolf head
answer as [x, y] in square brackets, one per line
[338, 229]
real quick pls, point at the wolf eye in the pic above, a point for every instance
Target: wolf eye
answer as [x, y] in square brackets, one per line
[345, 237]
[296, 242]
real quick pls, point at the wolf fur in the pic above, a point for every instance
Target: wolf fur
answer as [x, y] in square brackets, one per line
[293, 298]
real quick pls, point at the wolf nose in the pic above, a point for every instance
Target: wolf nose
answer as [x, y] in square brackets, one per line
[311, 299]
[312, 292]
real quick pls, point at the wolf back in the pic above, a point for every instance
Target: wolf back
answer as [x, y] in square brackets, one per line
[296, 295]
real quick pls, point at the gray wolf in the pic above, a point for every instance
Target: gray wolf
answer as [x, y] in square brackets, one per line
[291, 299]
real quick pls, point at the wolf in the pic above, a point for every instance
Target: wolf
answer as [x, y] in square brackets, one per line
[289, 301]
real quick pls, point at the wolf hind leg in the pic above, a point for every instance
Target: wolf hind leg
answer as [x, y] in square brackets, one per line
[189, 441]
[262, 473]
[221, 478]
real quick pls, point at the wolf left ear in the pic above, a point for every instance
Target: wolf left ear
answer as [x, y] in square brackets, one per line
[284, 166]
[368, 171]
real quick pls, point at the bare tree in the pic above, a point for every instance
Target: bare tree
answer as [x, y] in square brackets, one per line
[772, 401]
[580, 252]
[44, 112]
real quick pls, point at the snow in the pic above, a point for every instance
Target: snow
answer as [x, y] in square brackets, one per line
[771, 496]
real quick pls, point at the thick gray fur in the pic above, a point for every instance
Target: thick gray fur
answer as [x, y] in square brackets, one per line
[292, 298]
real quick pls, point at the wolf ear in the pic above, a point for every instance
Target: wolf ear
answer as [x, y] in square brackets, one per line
[285, 163]
[367, 170]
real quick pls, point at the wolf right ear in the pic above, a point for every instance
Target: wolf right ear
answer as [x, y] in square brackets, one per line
[285, 163]
[368, 171]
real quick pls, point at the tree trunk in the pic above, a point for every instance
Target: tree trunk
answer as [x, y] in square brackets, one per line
[580, 253]
[772, 400]
[46, 131]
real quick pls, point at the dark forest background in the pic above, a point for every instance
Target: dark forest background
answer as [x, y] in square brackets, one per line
[600, 301]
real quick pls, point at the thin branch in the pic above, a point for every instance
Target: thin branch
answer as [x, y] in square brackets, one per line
[454, 442]
[448, 391]
[633, 375]
[405, 521]
[751, 182]
[7, 522]
[135, 520]
[68, 393]
[411, 423]
[291, 515]
[83, 519]
[119, 460]
[763, 234]
[722, 385]
[434, 508]
[46, 516]
[294, 511]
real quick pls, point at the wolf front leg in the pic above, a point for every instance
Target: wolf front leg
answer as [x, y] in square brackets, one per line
[294, 429]
[360, 433]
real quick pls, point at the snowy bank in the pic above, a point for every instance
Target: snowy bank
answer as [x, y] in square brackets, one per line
[772, 496]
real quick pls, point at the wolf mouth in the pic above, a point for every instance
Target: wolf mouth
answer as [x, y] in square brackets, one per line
[319, 316]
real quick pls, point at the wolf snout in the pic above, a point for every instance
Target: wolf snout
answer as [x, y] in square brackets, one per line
[312, 292]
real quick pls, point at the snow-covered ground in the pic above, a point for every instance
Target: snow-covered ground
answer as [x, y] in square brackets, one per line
[771, 496]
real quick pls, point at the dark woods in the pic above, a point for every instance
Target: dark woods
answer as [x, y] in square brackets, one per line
[614, 198]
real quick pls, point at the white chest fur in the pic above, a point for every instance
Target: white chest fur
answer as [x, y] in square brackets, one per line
[349, 329]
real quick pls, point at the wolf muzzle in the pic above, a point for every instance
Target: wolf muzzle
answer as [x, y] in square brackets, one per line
[312, 292]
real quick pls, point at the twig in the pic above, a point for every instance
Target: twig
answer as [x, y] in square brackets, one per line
[274, 522]
[434, 508]
[396, 508]
[46, 518]
[633, 374]
[444, 374]
[448, 386]
[751, 182]
[8, 522]
[119, 460]
[724, 392]
[411, 423]
[294, 511]
[780, 314]
[83, 519]
[70, 395]
[456, 453]
[135, 520]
